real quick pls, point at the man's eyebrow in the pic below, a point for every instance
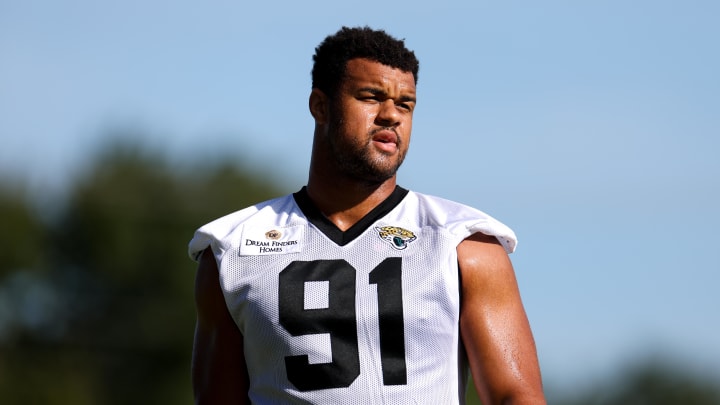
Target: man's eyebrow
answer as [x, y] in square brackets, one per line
[380, 92]
[372, 90]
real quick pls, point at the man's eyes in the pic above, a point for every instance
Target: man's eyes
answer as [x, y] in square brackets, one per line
[379, 99]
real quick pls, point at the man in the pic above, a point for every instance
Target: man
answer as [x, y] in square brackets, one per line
[354, 290]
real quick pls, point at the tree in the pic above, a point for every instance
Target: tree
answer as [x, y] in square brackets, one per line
[652, 383]
[115, 260]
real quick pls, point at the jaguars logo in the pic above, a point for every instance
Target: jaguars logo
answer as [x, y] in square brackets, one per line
[398, 237]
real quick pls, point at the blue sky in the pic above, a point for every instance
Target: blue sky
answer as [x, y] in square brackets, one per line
[591, 128]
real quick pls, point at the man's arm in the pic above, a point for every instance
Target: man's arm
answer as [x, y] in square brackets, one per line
[494, 327]
[219, 373]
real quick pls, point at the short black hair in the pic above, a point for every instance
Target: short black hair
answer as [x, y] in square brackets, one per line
[331, 56]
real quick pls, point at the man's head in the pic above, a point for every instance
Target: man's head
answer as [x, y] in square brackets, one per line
[332, 55]
[362, 100]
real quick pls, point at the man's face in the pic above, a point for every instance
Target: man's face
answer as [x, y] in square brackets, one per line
[371, 120]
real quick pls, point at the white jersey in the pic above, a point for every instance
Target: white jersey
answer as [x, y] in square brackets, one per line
[369, 315]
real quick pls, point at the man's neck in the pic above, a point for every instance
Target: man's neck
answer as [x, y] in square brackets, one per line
[345, 203]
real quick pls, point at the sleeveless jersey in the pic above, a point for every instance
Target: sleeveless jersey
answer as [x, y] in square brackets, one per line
[369, 315]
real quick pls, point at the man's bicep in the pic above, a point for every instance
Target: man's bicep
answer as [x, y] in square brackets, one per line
[494, 326]
[219, 372]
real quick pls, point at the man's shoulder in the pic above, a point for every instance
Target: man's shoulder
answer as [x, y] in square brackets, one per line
[441, 204]
[268, 208]
[460, 219]
[269, 211]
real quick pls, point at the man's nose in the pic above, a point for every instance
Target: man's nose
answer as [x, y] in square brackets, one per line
[388, 115]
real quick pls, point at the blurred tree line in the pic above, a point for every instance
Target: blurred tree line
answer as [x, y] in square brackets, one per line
[96, 289]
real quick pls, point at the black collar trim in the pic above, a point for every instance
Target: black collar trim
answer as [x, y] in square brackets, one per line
[313, 214]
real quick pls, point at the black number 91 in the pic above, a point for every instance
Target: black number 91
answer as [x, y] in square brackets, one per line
[340, 321]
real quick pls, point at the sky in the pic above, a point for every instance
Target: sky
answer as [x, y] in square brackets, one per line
[590, 128]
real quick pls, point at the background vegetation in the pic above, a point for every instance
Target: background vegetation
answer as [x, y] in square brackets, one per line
[96, 289]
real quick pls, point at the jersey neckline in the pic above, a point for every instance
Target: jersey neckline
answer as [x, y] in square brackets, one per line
[342, 238]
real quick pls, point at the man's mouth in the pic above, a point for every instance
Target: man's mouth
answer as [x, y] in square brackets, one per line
[385, 136]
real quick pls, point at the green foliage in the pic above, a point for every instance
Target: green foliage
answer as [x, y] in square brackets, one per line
[22, 234]
[651, 383]
[106, 288]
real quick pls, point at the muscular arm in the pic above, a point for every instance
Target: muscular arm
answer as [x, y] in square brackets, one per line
[219, 374]
[494, 327]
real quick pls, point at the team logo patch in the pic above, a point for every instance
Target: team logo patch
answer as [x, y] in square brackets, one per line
[398, 237]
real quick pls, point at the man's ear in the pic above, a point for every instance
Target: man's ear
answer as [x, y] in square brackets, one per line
[319, 106]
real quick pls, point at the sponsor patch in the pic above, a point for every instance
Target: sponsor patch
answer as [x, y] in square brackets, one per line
[271, 241]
